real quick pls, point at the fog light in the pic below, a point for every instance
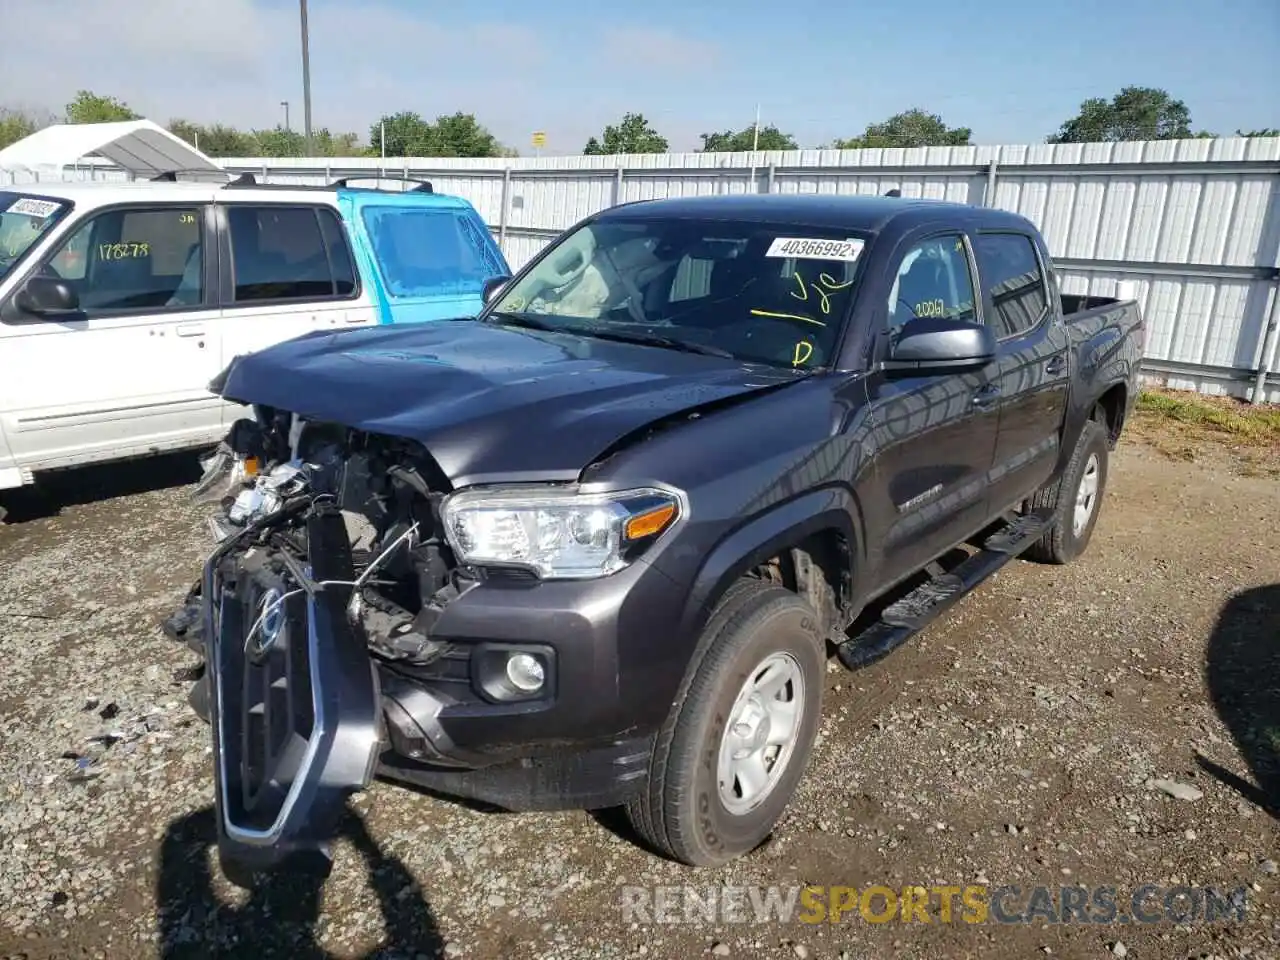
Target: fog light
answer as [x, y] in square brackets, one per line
[525, 672]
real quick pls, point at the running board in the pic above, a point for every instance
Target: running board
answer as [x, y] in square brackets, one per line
[904, 618]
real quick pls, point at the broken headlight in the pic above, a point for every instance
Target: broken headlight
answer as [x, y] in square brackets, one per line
[559, 534]
[242, 491]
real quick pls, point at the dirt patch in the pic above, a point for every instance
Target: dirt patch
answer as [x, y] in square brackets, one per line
[1021, 741]
[1195, 428]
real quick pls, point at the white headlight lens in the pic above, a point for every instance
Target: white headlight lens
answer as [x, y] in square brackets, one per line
[559, 534]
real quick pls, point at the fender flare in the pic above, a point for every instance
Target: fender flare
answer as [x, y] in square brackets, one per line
[763, 536]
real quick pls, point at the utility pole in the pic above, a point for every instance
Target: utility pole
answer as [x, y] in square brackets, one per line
[306, 81]
[755, 137]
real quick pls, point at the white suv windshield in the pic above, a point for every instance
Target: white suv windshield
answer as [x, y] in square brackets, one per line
[24, 219]
[758, 292]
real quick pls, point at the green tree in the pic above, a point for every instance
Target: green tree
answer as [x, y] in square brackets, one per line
[88, 107]
[771, 138]
[461, 135]
[455, 135]
[1135, 113]
[911, 128]
[279, 142]
[16, 125]
[326, 144]
[407, 135]
[1261, 132]
[632, 135]
[217, 140]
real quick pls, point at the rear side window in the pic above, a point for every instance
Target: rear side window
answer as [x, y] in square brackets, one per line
[424, 252]
[1011, 273]
[289, 253]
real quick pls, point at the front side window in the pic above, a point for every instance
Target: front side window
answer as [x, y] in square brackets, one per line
[133, 259]
[288, 253]
[424, 252]
[23, 221]
[933, 282]
[759, 292]
[1010, 270]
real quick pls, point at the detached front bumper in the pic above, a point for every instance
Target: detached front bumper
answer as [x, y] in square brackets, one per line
[303, 716]
[294, 711]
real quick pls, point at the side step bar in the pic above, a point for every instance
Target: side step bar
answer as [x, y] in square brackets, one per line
[904, 618]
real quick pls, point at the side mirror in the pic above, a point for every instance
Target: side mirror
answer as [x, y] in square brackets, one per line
[940, 346]
[49, 298]
[493, 286]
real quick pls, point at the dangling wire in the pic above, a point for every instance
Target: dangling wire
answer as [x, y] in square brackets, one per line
[355, 584]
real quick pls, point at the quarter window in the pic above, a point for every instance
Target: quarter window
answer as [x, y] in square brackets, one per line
[148, 259]
[288, 253]
[933, 282]
[1011, 273]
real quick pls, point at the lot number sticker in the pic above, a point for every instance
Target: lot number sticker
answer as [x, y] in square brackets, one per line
[806, 248]
[33, 208]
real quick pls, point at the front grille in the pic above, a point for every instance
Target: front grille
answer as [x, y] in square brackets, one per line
[279, 716]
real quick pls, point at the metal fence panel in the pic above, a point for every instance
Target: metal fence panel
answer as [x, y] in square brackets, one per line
[1193, 226]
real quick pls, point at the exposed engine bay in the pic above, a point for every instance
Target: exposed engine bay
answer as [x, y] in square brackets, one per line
[267, 475]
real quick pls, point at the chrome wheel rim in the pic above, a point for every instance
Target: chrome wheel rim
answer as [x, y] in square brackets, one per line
[760, 737]
[1086, 495]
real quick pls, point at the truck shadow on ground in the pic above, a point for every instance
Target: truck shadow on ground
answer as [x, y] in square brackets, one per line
[55, 491]
[280, 916]
[1242, 671]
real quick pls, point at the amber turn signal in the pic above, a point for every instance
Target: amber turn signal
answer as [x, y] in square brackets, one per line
[650, 522]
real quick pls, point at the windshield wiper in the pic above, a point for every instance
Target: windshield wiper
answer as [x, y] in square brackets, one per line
[653, 340]
[524, 320]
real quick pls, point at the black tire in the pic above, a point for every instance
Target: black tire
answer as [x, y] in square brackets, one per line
[679, 811]
[1063, 543]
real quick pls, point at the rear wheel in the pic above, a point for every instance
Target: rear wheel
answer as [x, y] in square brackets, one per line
[739, 736]
[1075, 498]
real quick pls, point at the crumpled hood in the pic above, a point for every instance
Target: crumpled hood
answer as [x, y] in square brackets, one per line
[488, 402]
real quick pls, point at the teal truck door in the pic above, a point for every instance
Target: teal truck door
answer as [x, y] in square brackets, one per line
[431, 253]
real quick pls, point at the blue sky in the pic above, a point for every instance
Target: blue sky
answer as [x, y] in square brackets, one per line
[1013, 71]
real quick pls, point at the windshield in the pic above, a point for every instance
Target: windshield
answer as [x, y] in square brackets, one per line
[430, 252]
[759, 292]
[23, 221]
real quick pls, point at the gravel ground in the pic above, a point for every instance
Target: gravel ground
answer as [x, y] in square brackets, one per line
[1034, 736]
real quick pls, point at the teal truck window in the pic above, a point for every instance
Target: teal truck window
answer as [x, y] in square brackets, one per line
[425, 252]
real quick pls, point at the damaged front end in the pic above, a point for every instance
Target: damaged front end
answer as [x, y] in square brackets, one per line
[329, 548]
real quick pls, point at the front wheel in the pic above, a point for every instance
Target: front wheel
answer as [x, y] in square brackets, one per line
[1075, 499]
[739, 736]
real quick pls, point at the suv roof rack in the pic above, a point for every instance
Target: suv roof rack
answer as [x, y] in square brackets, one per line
[423, 186]
[171, 176]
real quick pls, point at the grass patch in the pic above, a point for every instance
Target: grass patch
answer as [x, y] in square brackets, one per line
[1253, 424]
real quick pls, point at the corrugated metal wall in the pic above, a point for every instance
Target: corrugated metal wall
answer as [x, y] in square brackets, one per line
[1193, 225]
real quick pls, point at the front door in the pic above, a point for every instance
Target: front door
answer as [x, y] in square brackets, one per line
[128, 373]
[935, 435]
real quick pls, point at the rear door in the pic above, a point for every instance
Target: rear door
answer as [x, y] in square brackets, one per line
[1033, 368]
[291, 272]
[128, 374]
[935, 435]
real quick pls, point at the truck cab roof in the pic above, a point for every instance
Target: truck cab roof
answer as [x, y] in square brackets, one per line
[867, 214]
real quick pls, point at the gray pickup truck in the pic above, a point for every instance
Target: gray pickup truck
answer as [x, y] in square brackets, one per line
[594, 546]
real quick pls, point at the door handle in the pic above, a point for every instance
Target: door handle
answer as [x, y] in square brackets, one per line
[986, 396]
[353, 318]
[189, 330]
[1055, 365]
